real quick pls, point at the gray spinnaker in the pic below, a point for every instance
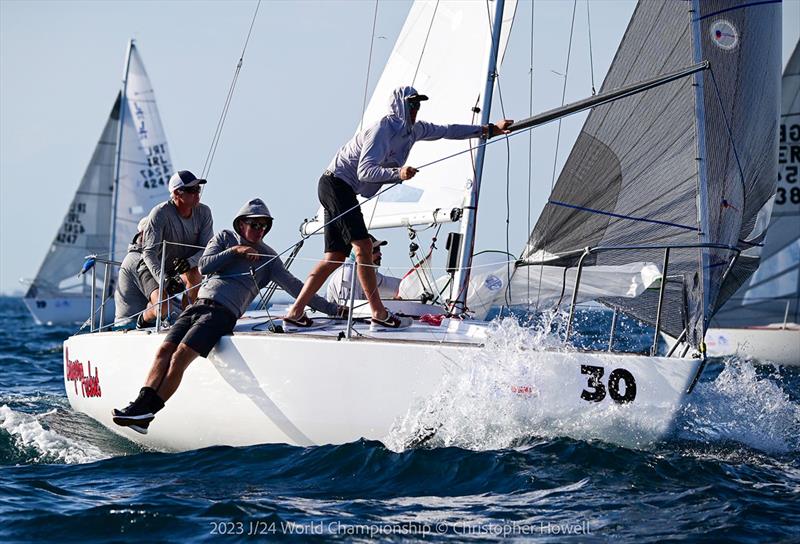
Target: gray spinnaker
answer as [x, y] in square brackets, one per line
[772, 294]
[85, 228]
[690, 162]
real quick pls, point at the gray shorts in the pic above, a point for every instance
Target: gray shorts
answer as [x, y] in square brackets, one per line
[201, 325]
[146, 279]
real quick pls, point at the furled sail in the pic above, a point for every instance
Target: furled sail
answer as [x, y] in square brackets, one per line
[145, 165]
[442, 51]
[686, 163]
[773, 293]
[84, 229]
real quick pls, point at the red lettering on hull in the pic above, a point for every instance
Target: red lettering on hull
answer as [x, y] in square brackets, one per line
[73, 370]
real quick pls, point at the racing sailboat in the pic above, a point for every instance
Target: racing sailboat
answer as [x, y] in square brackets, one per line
[126, 176]
[675, 162]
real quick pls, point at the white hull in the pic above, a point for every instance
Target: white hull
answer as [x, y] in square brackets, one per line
[65, 310]
[763, 345]
[773, 345]
[308, 388]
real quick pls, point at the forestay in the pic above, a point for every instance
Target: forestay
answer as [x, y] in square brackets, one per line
[442, 51]
[773, 293]
[690, 162]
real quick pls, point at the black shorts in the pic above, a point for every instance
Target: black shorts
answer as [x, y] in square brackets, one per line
[336, 197]
[146, 279]
[201, 325]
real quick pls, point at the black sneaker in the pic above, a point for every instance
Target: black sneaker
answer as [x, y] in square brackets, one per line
[138, 414]
[140, 428]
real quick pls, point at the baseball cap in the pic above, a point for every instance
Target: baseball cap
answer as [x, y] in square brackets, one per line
[376, 242]
[183, 178]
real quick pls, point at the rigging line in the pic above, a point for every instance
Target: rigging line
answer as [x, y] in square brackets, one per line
[366, 88]
[591, 61]
[221, 122]
[369, 66]
[620, 216]
[425, 43]
[730, 137]
[558, 141]
[741, 6]
[530, 151]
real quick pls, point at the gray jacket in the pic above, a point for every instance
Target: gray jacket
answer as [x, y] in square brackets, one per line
[374, 156]
[230, 281]
[165, 223]
[129, 298]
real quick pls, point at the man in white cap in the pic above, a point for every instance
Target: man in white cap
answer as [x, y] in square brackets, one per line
[187, 225]
[343, 280]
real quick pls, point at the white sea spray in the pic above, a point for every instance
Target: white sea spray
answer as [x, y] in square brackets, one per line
[44, 445]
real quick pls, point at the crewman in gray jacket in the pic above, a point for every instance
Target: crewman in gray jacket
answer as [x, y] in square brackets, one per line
[237, 265]
[131, 305]
[373, 157]
[129, 297]
[180, 220]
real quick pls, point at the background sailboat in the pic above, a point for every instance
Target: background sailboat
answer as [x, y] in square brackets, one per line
[127, 175]
[762, 320]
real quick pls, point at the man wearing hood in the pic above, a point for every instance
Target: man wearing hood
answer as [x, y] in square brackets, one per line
[238, 264]
[132, 307]
[129, 297]
[372, 158]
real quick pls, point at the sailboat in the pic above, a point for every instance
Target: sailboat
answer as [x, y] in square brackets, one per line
[762, 320]
[127, 175]
[673, 166]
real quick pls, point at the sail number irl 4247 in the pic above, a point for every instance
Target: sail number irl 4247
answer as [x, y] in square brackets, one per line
[617, 380]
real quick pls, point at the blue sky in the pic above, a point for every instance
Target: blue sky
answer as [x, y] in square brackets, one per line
[297, 100]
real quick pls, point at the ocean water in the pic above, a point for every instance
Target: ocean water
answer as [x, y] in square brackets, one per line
[730, 472]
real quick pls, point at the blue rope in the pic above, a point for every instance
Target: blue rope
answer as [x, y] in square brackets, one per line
[749, 5]
[601, 212]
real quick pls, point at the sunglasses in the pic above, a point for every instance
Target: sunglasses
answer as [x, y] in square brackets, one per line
[259, 225]
[414, 104]
[191, 190]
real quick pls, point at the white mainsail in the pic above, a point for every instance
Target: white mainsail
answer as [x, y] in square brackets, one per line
[98, 221]
[435, 53]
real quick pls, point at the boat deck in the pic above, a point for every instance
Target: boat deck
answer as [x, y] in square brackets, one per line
[451, 331]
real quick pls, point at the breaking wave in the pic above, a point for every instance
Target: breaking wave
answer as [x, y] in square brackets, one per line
[477, 406]
[26, 439]
[744, 406]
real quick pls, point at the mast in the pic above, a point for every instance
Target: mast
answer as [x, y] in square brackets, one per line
[470, 215]
[122, 103]
[702, 178]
